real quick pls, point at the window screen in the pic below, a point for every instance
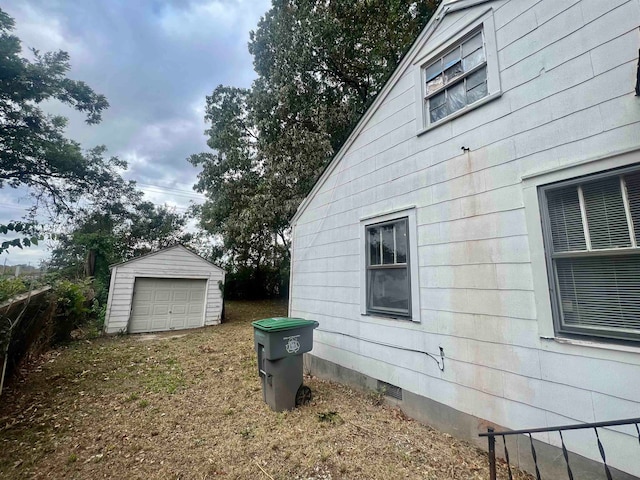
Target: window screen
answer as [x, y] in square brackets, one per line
[592, 248]
[387, 248]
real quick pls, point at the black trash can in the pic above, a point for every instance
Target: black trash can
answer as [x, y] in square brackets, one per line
[280, 343]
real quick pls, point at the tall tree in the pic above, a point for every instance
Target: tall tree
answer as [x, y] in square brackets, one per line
[320, 65]
[34, 151]
[115, 232]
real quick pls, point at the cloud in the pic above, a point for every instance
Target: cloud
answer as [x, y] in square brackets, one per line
[47, 35]
[198, 19]
[155, 61]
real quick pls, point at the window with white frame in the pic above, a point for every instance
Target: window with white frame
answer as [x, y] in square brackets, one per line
[592, 236]
[457, 78]
[457, 75]
[387, 264]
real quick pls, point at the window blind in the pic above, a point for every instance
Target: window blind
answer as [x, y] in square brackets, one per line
[605, 214]
[566, 220]
[594, 230]
[600, 291]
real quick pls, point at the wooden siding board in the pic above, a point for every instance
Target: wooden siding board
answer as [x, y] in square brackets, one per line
[607, 407]
[516, 28]
[505, 303]
[619, 112]
[561, 399]
[616, 52]
[613, 24]
[622, 444]
[623, 137]
[510, 11]
[582, 372]
[571, 73]
[593, 9]
[600, 90]
[501, 250]
[541, 35]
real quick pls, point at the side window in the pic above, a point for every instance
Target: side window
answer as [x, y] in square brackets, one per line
[388, 273]
[456, 79]
[458, 75]
[592, 233]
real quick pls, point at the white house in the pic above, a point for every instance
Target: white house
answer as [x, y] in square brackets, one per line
[171, 289]
[488, 203]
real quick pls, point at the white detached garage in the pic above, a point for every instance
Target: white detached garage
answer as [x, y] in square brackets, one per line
[171, 289]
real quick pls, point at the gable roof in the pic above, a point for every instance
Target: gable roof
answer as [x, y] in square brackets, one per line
[447, 6]
[179, 245]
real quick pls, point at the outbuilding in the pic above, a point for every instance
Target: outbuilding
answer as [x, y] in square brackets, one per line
[171, 289]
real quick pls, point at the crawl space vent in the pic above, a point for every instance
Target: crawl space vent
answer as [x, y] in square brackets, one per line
[390, 390]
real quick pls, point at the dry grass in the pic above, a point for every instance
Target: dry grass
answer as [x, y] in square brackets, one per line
[191, 407]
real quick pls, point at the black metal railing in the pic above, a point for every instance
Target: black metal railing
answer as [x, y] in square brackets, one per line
[491, 437]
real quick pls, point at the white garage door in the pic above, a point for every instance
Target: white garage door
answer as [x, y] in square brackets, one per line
[167, 304]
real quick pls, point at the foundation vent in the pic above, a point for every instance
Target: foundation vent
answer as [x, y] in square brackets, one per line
[390, 390]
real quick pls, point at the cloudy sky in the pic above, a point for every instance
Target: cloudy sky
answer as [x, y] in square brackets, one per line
[155, 60]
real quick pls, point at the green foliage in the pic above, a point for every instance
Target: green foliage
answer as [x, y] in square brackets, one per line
[97, 315]
[10, 287]
[117, 232]
[72, 300]
[34, 152]
[320, 66]
[247, 283]
[24, 228]
[330, 417]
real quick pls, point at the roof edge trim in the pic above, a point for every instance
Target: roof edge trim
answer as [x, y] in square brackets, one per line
[151, 254]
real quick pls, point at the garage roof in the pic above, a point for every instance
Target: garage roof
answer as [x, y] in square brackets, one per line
[180, 246]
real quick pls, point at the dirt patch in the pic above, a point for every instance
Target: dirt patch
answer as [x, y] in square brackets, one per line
[191, 407]
[156, 336]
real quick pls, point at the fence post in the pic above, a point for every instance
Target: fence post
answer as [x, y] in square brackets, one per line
[492, 455]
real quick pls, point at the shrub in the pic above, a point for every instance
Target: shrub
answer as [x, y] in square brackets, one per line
[96, 314]
[72, 300]
[247, 283]
[10, 287]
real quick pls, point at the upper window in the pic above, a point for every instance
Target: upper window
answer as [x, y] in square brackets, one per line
[388, 276]
[458, 75]
[592, 238]
[457, 78]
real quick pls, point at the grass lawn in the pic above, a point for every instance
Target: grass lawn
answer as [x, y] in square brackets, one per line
[190, 406]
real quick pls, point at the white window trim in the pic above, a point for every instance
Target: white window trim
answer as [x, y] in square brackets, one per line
[486, 23]
[410, 214]
[534, 220]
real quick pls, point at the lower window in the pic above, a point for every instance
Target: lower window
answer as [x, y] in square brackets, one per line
[592, 233]
[388, 279]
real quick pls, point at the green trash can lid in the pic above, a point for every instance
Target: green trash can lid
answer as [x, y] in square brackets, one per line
[282, 323]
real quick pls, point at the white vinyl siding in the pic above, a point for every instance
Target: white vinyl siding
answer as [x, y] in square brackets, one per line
[567, 71]
[593, 255]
